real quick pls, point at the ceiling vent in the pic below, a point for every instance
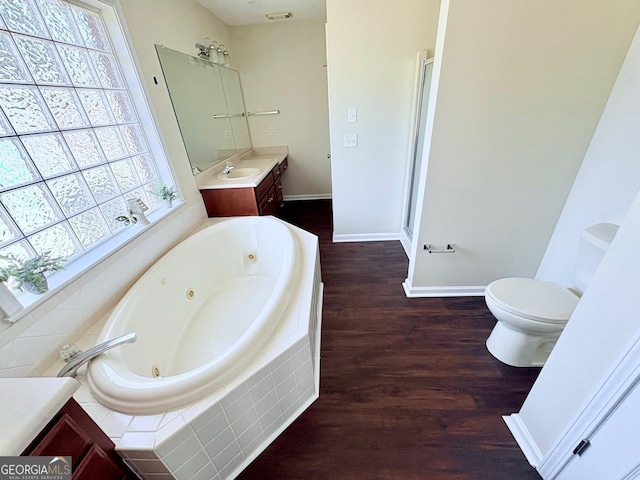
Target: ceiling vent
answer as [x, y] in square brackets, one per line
[279, 15]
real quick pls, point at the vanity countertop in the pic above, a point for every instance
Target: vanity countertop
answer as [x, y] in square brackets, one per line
[27, 405]
[264, 161]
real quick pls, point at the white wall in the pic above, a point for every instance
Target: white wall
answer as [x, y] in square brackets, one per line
[606, 318]
[282, 67]
[371, 52]
[601, 328]
[609, 177]
[522, 86]
[179, 25]
[29, 345]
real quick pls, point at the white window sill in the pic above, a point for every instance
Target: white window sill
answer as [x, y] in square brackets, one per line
[74, 269]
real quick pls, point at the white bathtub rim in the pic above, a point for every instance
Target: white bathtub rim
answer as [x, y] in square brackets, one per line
[110, 330]
[273, 351]
[146, 389]
[135, 394]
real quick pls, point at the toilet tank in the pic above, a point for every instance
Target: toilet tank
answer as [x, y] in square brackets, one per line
[594, 242]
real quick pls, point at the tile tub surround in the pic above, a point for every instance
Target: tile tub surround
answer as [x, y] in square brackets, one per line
[63, 317]
[222, 433]
[222, 439]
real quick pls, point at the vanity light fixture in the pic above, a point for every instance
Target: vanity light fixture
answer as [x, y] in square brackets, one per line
[279, 15]
[202, 51]
[223, 55]
[213, 51]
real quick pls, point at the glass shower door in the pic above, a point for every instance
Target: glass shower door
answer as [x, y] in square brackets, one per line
[418, 142]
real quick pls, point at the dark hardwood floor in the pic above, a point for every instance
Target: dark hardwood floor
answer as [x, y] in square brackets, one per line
[407, 388]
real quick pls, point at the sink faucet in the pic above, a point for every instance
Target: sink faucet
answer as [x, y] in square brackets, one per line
[228, 166]
[78, 358]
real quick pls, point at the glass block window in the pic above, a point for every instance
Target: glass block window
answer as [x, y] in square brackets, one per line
[72, 150]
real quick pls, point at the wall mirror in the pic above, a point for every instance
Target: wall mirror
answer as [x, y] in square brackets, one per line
[235, 106]
[209, 106]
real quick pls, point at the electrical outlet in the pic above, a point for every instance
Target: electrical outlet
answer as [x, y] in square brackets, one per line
[351, 140]
[227, 134]
[272, 131]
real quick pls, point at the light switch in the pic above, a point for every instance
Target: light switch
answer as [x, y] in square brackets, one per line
[352, 116]
[351, 140]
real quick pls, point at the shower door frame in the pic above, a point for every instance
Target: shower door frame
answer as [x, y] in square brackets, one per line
[417, 126]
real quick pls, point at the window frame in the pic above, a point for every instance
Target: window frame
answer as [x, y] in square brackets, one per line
[122, 44]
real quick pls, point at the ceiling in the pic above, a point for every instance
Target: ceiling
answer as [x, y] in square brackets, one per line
[248, 12]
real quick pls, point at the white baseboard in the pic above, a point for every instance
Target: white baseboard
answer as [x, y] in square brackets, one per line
[406, 243]
[523, 438]
[443, 291]
[365, 237]
[314, 196]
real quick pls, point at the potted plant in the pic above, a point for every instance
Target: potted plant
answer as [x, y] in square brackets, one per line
[30, 274]
[166, 193]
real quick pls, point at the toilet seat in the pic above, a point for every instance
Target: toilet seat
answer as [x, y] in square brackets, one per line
[532, 299]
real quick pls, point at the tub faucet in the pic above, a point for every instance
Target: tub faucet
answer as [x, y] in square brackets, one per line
[79, 358]
[228, 166]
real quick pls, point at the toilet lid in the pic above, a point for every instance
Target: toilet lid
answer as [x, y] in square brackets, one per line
[534, 299]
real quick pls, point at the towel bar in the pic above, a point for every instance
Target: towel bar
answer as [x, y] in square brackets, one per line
[451, 248]
[225, 115]
[270, 112]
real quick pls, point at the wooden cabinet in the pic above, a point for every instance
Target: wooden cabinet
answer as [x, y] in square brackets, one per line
[265, 199]
[73, 433]
[278, 172]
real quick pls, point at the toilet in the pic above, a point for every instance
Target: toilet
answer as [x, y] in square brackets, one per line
[532, 313]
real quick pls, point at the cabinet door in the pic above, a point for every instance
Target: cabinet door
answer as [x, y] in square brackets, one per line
[284, 165]
[73, 433]
[278, 191]
[268, 204]
[229, 202]
[67, 432]
[97, 465]
[265, 186]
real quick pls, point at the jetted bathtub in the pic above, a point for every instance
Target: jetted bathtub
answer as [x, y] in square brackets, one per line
[200, 313]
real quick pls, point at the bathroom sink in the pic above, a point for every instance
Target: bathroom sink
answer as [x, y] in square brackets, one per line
[237, 173]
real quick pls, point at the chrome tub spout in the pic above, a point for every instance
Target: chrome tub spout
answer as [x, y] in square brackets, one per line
[80, 358]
